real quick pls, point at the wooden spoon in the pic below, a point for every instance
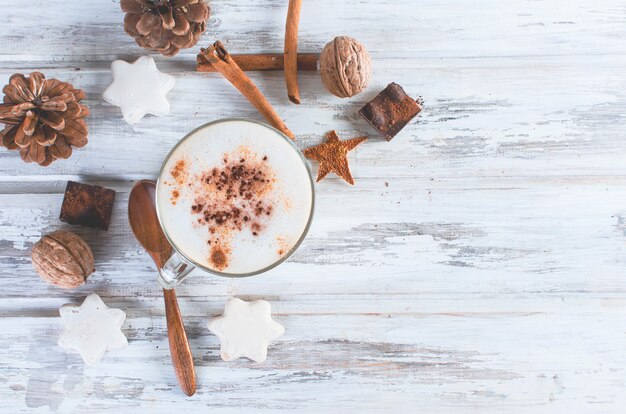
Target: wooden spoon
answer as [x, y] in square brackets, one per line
[145, 224]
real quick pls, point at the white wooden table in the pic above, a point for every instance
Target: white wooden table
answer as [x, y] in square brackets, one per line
[478, 265]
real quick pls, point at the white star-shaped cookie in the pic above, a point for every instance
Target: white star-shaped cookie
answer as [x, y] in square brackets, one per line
[138, 89]
[245, 329]
[91, 329]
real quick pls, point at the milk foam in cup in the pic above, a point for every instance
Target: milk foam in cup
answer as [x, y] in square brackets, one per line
[234, 197]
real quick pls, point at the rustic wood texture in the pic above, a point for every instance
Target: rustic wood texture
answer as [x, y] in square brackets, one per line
[476, 266]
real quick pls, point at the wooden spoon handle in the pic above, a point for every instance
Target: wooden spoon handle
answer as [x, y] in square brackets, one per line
[179, 346]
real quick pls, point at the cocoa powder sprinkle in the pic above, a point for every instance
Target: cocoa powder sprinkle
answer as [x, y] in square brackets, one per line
[218, 258]
[232, 198]
[179, 171]
[175, 196]
[283, 245]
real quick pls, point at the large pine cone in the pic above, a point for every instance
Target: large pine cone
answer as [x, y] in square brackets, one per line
[165, 26]
[43, 118]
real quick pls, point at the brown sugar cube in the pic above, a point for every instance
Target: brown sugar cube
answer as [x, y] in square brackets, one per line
[390, 111]
[87, 205]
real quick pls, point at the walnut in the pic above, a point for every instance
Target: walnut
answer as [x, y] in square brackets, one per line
[345, 67]
[63, 259]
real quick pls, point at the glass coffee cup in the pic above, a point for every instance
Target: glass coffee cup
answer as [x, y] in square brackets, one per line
[235, 198]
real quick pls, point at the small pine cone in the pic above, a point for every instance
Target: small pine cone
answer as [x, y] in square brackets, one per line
[43, 117]
[165, 26]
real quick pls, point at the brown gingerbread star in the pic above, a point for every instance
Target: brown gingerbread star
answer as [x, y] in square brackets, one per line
[333, 156]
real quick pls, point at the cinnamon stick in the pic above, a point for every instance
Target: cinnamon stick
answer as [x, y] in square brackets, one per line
[291, 50]
[266, 61]
[218, 56]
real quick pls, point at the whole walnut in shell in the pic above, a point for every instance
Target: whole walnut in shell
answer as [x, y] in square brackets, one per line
[63, 259]
[345, 67]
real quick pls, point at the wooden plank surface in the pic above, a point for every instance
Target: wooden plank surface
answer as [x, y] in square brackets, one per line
[476, 266]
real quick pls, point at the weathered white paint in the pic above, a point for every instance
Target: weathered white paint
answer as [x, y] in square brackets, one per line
[477, 265]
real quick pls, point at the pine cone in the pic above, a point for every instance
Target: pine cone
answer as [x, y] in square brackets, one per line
[43, 118]
[165, 26]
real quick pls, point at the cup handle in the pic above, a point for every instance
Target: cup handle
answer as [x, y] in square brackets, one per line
[174, 271]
